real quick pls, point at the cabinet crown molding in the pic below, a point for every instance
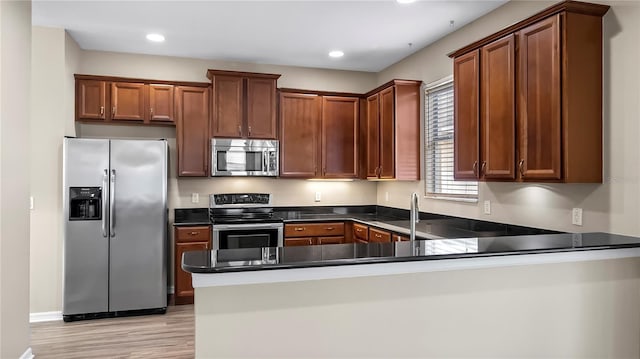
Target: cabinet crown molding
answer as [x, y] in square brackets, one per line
[145, 81]
[577, 7]
[212, 72]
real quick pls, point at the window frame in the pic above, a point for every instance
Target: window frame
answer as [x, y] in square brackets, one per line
[466, 195]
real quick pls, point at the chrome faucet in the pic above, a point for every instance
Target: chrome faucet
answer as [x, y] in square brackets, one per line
[414, 216]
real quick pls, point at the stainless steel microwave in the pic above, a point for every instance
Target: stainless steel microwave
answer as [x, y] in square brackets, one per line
[244, 157]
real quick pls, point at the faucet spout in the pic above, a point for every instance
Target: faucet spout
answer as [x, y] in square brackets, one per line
[414, 216]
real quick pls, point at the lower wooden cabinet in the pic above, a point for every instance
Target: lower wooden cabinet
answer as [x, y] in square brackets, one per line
[379, 236]
[360, 233]
[194, 238]
[306, 234]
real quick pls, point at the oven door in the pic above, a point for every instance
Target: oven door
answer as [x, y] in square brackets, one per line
[250, 235]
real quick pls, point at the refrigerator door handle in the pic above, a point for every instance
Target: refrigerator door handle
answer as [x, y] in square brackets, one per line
[105, 184]
[112, 204]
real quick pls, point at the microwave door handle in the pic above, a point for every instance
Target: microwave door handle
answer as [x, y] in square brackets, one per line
[265, 161]
[105, 184]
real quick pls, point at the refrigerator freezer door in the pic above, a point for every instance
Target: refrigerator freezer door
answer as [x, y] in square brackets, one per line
[86, 249]
[138, 271]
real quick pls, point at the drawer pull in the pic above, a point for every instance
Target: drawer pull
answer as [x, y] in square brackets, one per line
[299, 229]
[329, 228]
[378, 236]
[358, 230]
[194, 233]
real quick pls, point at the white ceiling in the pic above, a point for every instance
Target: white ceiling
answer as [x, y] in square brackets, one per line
[372, 34]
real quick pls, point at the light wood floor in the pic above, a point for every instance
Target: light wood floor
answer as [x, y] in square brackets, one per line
[151, 336]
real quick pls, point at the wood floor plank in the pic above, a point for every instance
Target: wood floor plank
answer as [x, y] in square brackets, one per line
[151, 336]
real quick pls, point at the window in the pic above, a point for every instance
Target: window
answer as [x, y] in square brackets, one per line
[439, 145]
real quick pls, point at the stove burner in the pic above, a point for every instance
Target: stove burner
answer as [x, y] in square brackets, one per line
[241, 208]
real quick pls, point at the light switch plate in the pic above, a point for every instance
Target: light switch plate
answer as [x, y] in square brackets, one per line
[487, 207]
[386, 196]
[318, 196]
[195, 198]
[576, 216]
[31, 202]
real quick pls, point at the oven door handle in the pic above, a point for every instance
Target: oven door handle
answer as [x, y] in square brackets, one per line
[220, 227]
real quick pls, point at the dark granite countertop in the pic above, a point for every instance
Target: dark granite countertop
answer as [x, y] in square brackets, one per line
[253, 259]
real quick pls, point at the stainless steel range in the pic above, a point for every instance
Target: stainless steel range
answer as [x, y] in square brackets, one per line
[244, 220]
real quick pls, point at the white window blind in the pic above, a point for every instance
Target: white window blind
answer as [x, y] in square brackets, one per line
[439, 145]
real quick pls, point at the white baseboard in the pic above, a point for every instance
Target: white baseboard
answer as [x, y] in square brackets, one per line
[28, 354]
[44, 317]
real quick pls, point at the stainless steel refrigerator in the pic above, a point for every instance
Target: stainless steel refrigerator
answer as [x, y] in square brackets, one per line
[115, 227]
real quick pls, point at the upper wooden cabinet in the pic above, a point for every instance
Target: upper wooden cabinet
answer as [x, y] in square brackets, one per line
[244, 104]
[192, 130]
[533, 78]
[392, 131]
[319, 135]
[126, 100]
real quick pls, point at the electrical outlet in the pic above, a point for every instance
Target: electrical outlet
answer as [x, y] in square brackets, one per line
[318, 196]
[487, 207]
[386, 196]
[195, 198]
[576, 216]
[31, 202]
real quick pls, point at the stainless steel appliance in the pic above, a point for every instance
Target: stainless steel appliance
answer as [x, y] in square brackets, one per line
[244, 220]
[115, 227]
[242, 157]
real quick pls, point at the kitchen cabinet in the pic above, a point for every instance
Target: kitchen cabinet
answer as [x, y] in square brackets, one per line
[379, 236]
[319, 135]
[360, 233]
[399, 238]
[534, 79]
[192, 130]
[125, 100]
[314, 233]
[244, 104]
[190, 238]
[392, 131]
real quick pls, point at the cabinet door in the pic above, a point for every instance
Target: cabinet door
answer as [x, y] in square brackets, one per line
[399, 238]
[340, 137]
[331, 240]
[498, 110]
[301, 241]
[128, 101]
[182, 280]
[261, 108]
[539, 100]
[387, 133]
[466, 88]
[227, 106]
[373, 135]
[161, 103]
[299, 135]
[192, 130]
[91, 100]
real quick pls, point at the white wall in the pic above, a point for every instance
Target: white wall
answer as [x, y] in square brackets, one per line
[613, 206]
[15, 60]
[567, 310]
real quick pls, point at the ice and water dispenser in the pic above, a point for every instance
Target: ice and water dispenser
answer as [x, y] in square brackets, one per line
[85, 203]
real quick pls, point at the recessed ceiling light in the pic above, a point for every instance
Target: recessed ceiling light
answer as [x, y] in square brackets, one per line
[336, 53]
[155, 37]
[405, 1]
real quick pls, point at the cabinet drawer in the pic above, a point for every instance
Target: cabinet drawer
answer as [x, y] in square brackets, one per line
[314, 229]
[399, 238]
[331, 240]
[302, 241]
[193, 234]
[360, 232]
[378, 236]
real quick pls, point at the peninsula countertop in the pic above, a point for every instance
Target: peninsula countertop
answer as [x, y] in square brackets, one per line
[260, 259]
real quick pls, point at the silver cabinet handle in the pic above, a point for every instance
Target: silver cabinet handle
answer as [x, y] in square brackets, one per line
[105, 189]
[521, 165]
[101, 110]
[151, 111]
[249, 130]
[475, 168]
[299, 229]
[484, 165]
[240, 130]
[112, 205]
[113, 112]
